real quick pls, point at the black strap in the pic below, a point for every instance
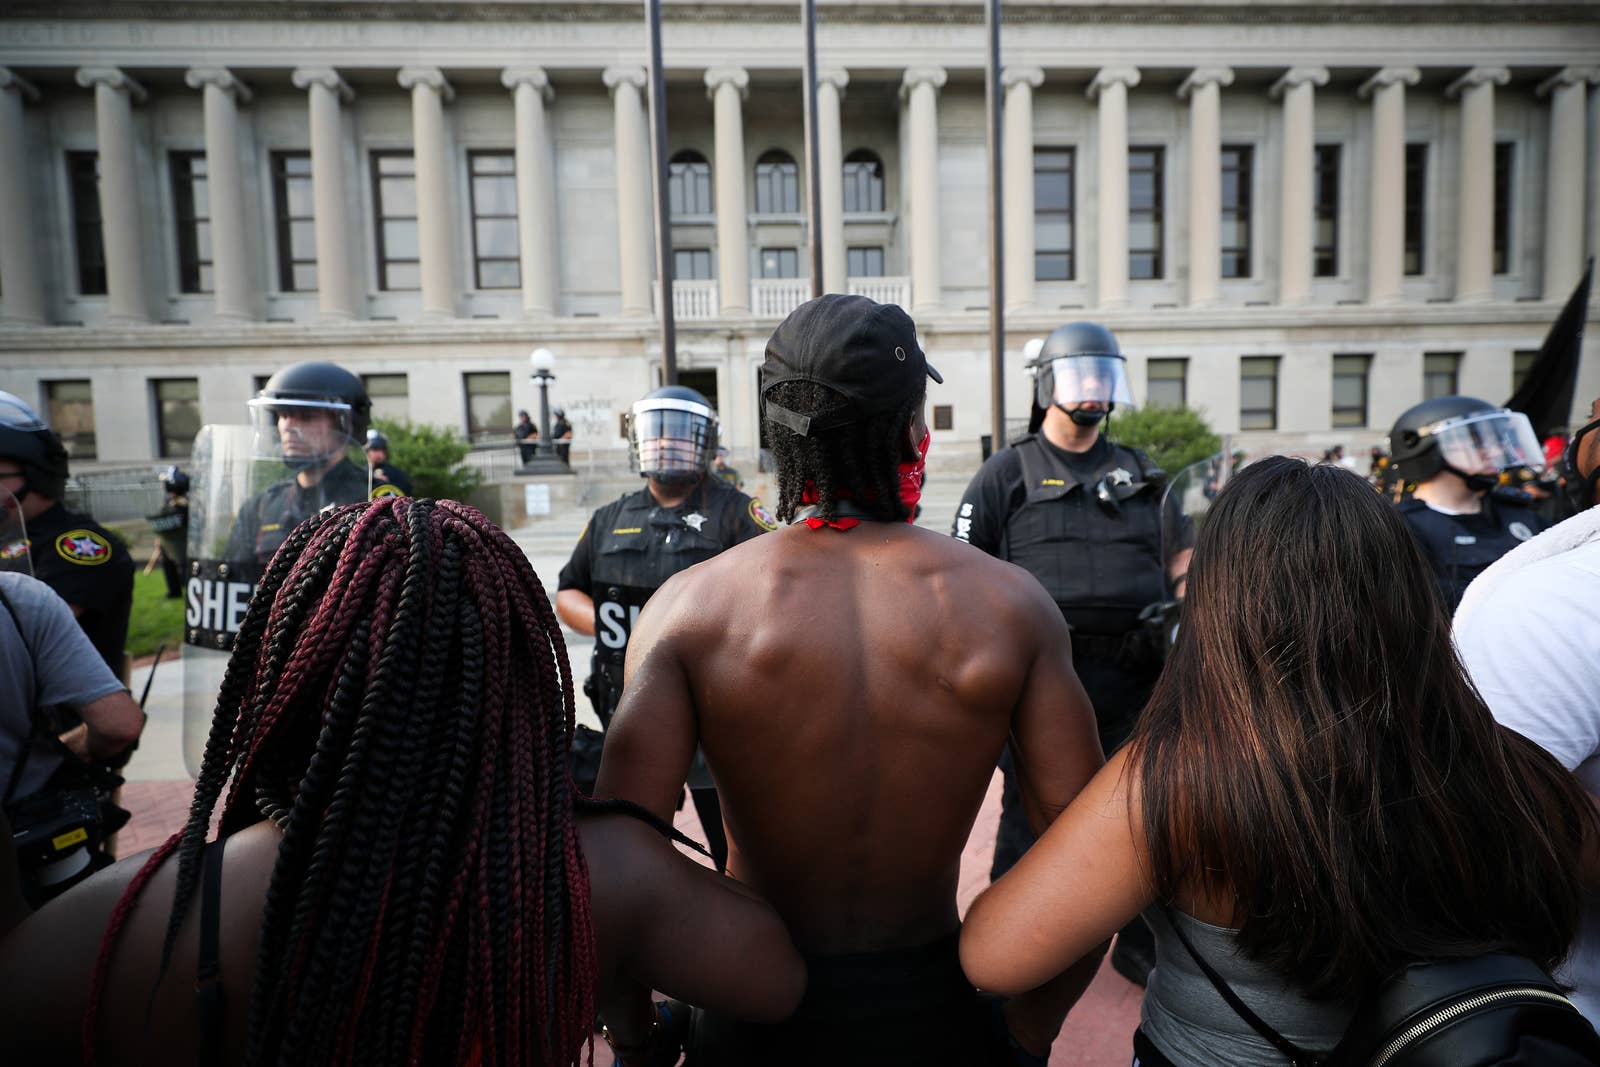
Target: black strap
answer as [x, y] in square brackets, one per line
[1298, 1056]
[209, 1000]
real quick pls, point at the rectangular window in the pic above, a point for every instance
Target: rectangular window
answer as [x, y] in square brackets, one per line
[1236, 174]
[191, 209]
[488, 406]
[691, 264]
[1053, 179]
[1522, 362]
[1258, 393]
[1416, 206]
[1505, 158]
[83, 179]
[390, 396]
[1441, 374]
[780, 263]
[1325, 251]
[71, 405]
[1350, 390]
[864, 262]
[492, 183]
[1167, 382]
[294, 215]
[944, 417]
[1145, 210]
[394, 205]
[177, 403]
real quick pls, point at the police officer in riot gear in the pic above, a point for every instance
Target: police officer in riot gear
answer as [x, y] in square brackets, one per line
[682, 516]
[71, 553]
[1454, 448]
[171, 526]
[307, 415]
[1084, 516]
[380, 471]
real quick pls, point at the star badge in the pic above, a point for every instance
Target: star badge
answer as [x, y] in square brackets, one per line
[694, 521]
[1120, 477]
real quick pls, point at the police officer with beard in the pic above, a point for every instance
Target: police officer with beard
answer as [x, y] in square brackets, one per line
[682, 516]
[307, 415]
[1084, 516]
[1454, 448]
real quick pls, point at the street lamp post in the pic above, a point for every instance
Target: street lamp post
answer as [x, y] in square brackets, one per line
[545, 460]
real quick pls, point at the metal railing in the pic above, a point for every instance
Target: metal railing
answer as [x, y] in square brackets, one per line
[497, 463]
[884, 290]
[116, 495]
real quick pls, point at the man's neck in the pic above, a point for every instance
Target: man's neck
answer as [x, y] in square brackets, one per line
[312, 475]
[1448, 492]
[1061, 431]
[670, 496]
[33, 505]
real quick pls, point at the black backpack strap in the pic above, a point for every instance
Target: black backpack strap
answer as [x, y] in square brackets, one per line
[1298, 1056]
[208, 975]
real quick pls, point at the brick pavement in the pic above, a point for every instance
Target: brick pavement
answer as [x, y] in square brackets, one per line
[1098, 1033]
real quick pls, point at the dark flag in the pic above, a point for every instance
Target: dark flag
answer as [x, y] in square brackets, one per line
[1546, 393]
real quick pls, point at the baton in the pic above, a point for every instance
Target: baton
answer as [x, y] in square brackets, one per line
[152, 675]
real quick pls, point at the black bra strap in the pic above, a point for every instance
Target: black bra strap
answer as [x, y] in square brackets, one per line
[208, 976]
[1298, 1056]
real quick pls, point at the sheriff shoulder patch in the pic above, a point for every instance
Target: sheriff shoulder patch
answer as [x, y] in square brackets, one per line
[380, 491]
[761, 516]
[83, 547]
[15, 550]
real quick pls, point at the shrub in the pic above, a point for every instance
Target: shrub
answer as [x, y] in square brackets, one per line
[432, 456]
[1173, 437]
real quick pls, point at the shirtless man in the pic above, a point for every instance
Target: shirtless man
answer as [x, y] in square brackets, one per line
[852, 680]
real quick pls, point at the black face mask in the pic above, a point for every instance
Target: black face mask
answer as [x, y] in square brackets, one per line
[1580, 489]
[675, 479]
[1084, 417]
[1478, 483]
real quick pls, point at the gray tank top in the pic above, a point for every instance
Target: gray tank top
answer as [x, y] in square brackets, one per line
[1187, 1018]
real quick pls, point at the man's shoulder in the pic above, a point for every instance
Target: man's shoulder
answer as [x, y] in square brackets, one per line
[69, 537]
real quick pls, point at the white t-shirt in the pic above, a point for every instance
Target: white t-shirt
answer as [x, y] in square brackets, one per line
[1532, 645]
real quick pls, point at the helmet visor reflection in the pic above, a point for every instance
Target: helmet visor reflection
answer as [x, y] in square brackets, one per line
[1492, 441]
[1083, 380]
[672, 440]
[301, 430]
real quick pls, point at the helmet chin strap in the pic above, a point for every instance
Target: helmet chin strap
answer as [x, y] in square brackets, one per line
[1478, 483]
[1088, 418]
[675, 479]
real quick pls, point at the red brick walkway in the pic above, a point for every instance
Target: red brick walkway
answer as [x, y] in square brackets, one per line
[1099, 1032]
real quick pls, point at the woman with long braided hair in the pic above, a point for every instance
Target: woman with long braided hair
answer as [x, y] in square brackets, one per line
[402, 872]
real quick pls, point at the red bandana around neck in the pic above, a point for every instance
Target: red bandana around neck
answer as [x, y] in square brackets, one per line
[910, 490]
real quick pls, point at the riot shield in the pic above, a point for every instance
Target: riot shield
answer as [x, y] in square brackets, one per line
[243, 503]
[14, 548]
[1184, 503]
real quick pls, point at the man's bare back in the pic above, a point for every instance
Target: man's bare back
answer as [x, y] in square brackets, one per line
[852, 692]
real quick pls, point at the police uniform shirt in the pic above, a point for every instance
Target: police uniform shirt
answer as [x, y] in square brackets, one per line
[1035, 505]
[267, 519]
[1461, 547]
[89, 569]
[397, 481]
[633, 545]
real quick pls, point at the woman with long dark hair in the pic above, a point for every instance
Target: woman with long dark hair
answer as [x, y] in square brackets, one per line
[1314, 796]
[401, 871]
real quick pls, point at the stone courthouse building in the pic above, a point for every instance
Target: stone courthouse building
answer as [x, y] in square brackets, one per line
[1300, 217]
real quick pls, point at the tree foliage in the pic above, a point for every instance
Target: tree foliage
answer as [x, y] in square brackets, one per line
[1173, 437]
[433, 456]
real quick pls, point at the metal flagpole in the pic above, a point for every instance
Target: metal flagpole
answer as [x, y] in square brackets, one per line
[658, 162]
[808, 20]
[997, 270]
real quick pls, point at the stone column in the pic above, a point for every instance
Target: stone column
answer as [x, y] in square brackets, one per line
[920, 87]
[1018, 84]
[1204, 87]
[633, 189]
[1475, 225]
[120, 209]
[429, 91]
[727, 87]
[1111, 86]
[1298, 181]
[23, 295]
[232, 287]
[336, 281]
[1564, 219]
[537, 232]
[831, 84]
[1386, 245]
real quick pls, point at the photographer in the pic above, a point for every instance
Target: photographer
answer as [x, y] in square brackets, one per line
[47, 662]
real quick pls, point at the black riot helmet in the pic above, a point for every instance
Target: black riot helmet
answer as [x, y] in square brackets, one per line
[309, 412]
[1466, 436]
[672, 434]
[1079, 363]
[1580, 487]
[376, 440]
[34, 447]
[174, 481]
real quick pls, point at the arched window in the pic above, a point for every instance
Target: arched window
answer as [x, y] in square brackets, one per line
[689, 184]
[863, 182]
[777, 184]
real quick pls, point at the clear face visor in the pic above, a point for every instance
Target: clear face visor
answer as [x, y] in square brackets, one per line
[14, 549]
[1073, 380]
[1488, 443]
[672, 436]
[302, 432]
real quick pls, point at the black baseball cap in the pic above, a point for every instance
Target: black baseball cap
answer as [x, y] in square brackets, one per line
[864, 351]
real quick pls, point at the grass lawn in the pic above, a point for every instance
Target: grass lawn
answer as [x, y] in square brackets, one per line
[155, 619]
